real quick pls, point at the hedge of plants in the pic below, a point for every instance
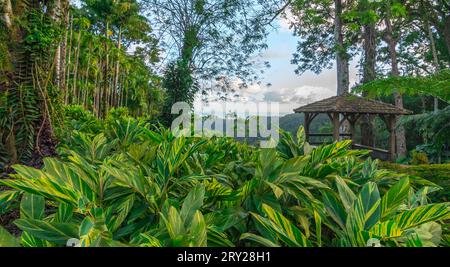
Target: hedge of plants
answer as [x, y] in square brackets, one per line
[436, 173]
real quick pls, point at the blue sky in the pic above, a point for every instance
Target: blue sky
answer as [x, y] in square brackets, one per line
[289, 89]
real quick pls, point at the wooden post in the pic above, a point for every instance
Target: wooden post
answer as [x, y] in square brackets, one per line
[353, 131]
[353, 119]
[307, 123]
[391, 120]
[336, 127]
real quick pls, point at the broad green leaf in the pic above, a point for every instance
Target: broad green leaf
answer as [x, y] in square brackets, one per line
[224, 219]
[32, 207]
[8, 196]
[335, 209]
[174, 223]
[366, 210]
[28, 173]
[81, 179]
[218, 238]
[149, 241]
[388, 229]
[281, 227]
[423, 214]
[318, 223]
[192, 203]
[93, 230]
[345, 193]
[58, 233]
[120, 211]
[27, 240]
[301, 136]
[259, 240]
[64, 213]
[198, 230]
[7, 239]
[364, 214]
[394, 198]
[413, 241]
[276, 189]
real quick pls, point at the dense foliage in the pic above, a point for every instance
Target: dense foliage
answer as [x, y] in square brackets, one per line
[124, 183]
[437, 173]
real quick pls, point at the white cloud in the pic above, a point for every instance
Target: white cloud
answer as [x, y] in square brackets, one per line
[287, 98]
[274, 54]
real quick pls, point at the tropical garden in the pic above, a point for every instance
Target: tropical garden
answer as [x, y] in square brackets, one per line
[86, 153]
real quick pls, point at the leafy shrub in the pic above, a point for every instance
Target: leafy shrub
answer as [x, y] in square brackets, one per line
[419, 158]
[76, 118]
[120, 114]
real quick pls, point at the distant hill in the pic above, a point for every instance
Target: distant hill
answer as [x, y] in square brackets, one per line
[292, 122]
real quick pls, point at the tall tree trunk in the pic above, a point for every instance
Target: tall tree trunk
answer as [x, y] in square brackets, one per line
[56, 14]
[442, 26]
[342, 66]
[96, 93]
[75, 69]
[66, 85]
[370, 54]
[447, 32]
[437, 68]
[63, 46]
[444, 30]
[105, 104]
[7, 13]
[435, 60]
[343, 76]
[392, 44]
[117, 67]
[86, 81]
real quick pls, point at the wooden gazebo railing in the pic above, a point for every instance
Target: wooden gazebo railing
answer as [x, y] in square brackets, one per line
[351, 108]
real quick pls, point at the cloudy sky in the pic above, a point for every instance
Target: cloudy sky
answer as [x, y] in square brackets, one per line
[287, 88]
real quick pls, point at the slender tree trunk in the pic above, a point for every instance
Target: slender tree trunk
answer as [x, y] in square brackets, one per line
[437, 68]
[7, 13]
[66, 86]
[56, 14]
[444, 30]
[343, 77]
[75, 69]
[121, 91]
[88, 68]
[63, 47]
[447, 32]
[392, 44]
[435, 60]
[442, 27]
[105, 100]
[370, 54]
[111, 90]
[342, 66]
[424, 104]
[126, 90]
[117, 67]
[96, 96]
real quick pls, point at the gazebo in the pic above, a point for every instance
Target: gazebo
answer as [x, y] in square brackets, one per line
[351, 108]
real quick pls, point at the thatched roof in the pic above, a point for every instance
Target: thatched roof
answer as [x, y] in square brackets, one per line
[348, 103]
